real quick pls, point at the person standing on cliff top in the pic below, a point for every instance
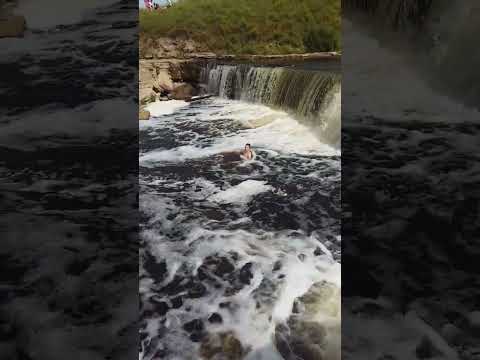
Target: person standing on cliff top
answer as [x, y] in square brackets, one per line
[149, 4]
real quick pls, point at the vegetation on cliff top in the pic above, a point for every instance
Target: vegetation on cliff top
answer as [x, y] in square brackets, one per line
[249, 26]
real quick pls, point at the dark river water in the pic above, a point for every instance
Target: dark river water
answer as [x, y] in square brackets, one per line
[236, 240]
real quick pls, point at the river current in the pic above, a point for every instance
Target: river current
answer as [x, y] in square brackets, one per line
[228, 246]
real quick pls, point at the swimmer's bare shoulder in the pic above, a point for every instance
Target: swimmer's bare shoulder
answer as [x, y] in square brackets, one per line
[247, 153]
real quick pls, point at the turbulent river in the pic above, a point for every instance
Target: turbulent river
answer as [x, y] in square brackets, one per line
[229, 247]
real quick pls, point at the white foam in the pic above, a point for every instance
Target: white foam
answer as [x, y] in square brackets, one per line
[281, 134]
[241, 193]
[160, 108]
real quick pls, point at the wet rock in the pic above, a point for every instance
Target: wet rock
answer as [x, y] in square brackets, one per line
[225, 305]
[149, 98]
[194, 325]
[197, 336]
[12, 26]
[214, 214]
[322, 297]
[301, 340]
[215, 318]
[175, 286]
[222, 346]
[296, 308]
[218, 265]
[246, 273]
[143, 114]
[197, 290]
[301, 337]
[277, 266]
[157, 271]
[161, 307]
[230, 291]
[183, 91]
[176, 302]
[196, 329]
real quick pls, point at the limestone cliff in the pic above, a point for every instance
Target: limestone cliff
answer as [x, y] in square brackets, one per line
[168, 79]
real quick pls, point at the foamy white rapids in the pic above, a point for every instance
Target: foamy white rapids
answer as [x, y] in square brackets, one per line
[159, 108]
[238, 240]
[241, 193]
[262, 127]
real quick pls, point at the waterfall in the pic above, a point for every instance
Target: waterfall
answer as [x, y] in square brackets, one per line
[312, 97]
[427, 35]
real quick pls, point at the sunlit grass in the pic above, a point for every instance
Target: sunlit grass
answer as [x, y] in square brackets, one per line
[250, 26]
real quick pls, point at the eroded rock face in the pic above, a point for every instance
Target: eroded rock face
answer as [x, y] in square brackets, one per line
[312, 332]
[167, 48]
[167, 79]
[12, 26]
[155, 80]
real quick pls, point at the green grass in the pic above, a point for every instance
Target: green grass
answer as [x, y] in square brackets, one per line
[249, 26]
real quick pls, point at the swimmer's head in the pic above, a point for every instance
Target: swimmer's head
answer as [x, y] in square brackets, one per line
[247, 147]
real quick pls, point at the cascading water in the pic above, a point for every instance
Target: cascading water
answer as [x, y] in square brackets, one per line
[308, 95]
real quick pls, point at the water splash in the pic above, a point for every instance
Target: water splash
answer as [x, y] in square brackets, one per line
[311, 96]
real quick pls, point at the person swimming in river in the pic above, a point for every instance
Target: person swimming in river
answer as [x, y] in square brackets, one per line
[247, 153]
[233, 156]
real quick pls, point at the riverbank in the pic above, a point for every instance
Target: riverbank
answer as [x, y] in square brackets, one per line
[249, 27]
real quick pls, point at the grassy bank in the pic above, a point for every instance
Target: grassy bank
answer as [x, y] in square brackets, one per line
[250, 26]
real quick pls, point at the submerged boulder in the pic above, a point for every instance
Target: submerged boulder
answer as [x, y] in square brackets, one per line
[12, 26]
[312, 332]
[183, 91]
[222, 346]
